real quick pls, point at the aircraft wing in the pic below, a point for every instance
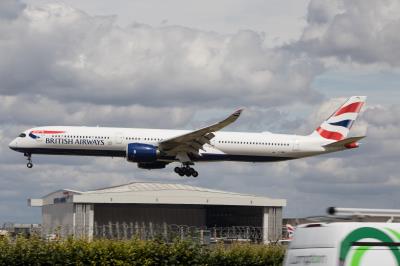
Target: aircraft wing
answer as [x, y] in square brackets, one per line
[193, 141]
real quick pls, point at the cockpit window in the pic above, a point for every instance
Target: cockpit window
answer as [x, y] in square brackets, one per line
[22, 135]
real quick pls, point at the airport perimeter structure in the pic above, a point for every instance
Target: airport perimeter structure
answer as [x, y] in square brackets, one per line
[127, 209]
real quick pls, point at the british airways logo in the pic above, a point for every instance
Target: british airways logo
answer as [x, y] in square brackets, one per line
[34, 134]
[66, 141]
[54, 139]
[339, 129]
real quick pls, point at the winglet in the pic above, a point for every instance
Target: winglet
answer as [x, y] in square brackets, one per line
[202, 135]
[238, 112]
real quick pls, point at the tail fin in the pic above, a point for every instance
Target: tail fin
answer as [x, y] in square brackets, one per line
[338, 125]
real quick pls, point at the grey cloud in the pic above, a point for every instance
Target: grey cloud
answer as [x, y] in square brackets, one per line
[319, 114]
[381, 116]
[383, 143]
[322, 12]
[357, 171]
[10, 9]
[357, 30]
[253, 119]
[39, 110]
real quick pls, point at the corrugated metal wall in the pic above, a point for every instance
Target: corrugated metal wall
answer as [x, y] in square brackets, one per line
[274, 223]
[56, 217]
[84, 220]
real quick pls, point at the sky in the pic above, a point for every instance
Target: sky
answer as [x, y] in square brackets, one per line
[185, 64]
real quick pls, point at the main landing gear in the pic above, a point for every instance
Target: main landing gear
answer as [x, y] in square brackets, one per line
[29, 158]
[186, 170]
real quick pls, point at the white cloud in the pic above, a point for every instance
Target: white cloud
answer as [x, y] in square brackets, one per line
[273, 17]
[67, 55]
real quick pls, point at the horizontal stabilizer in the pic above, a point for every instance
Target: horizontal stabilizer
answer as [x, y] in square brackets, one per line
[344, 142]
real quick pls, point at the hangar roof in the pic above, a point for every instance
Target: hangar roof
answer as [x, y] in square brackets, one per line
[148, 186]
[156, 193]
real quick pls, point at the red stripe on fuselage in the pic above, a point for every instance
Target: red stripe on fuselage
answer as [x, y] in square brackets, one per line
[329, 134]
[47, 132]
[351, 108]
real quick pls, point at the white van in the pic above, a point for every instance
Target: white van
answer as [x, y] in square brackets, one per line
[345, 244]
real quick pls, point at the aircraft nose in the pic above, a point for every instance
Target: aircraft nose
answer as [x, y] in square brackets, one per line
[13, 144]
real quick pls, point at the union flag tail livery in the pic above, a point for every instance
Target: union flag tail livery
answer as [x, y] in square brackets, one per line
[156, 148]
[338, 125]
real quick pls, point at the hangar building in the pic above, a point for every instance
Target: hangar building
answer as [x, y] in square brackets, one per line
[85, 213]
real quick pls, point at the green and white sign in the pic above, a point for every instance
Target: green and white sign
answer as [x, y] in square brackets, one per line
[365, 239]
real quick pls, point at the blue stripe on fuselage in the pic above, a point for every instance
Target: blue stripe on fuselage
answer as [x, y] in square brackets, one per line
[84, 152]
[121, 153]
[239, 158]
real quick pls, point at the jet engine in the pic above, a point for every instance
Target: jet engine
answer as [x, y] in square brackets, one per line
[139, 153]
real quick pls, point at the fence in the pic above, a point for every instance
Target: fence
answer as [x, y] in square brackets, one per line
[124, 231]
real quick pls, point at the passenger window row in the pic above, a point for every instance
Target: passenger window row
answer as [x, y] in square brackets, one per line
[137, 138]
[80, 137]
[254, 143]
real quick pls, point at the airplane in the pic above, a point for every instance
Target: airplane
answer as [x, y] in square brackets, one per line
[156, 148]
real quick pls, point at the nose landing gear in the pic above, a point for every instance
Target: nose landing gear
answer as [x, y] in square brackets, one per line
[186, 170]
[29, 158]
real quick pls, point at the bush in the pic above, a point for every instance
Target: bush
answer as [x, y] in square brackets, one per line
[247, 254]
[35, 251]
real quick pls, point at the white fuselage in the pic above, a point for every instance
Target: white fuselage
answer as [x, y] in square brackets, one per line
[156, 148]
[225, 146]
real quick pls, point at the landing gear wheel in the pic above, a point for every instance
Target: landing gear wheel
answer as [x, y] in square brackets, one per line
[29, 164]
[191, 171]
[179, 170]
[188, 172]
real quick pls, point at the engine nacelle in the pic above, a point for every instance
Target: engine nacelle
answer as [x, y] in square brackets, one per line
[139, 152]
